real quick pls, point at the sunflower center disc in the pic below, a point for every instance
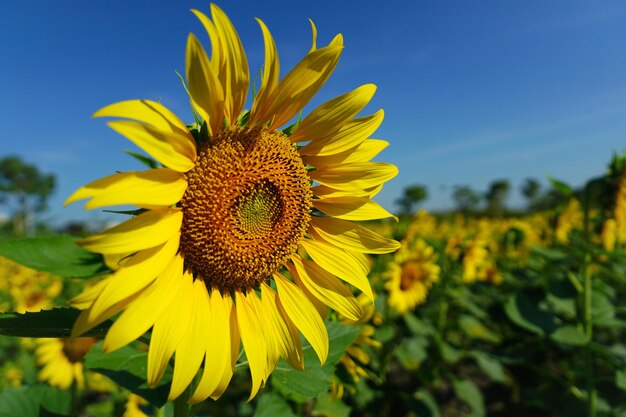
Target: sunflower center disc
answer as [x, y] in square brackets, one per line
[411, 273]
[246, 208]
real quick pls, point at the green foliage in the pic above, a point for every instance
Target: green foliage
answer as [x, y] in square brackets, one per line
[26, 188]
[128, 367]
[57, 323]
[34, 401]
[58, 255]
[315, 378]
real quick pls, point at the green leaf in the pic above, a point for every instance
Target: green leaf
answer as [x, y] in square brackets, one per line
[34, 401]
[469, 393]
[550, 254]
[51, 400]
[15, 402]
[57, 322]
[448, 353]
[146, 160]
[272, 405]
[314, 379]
[58, 255]
[428, 403]
[490, 366]
[128, 368]
[415, 325]
[620, 380]
[569, 335]
[327, 406]
[476, 330]
[526, 314]
[561, 187]
[412, 352]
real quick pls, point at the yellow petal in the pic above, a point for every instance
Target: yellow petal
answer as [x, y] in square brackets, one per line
[147, 230]
[253, 340]
[282, 329]
[323, 191]
[351, 208]
[216, 47]
[218, 363]
[300, 84]
[363, 152]
[137, 274]
[325, 287]
[234, 75]
[141, 314]
[350, 135]
[314, 41]
[304, 315]
[192, 346]
[83, 323]
[207, 95]
[89, 294]
[354, 176]
[326, 120]
[153, 188]
[146, 111]
[269, 333]
[350, 236]
[271, 71]
[340, 263]
[169, 330]
[173, 150]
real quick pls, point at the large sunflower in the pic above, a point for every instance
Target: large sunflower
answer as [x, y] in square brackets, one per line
[217, 253]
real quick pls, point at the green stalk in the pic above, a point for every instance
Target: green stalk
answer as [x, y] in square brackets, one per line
[591, 382]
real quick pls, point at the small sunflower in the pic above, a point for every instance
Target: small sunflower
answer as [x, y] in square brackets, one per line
[570, 219]
[62, 361]
[235, 206]
[410, 276]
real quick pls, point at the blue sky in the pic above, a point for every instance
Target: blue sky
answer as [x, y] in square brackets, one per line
[472, 91]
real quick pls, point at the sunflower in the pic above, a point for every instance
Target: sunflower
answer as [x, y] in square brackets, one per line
[410, 276]
[571, 218]
[62, 361]
[246, 232]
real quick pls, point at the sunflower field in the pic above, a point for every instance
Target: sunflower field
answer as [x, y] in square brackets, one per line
[255, 275]
[472, 316]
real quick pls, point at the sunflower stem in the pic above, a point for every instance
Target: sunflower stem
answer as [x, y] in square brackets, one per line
[181, 405]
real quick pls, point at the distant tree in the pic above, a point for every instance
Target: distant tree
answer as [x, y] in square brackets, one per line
[496, 196]
[465, 198]
[412, 197]
[531, 188]
[25, 188]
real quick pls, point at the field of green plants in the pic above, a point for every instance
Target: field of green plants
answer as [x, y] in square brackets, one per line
[503, 315]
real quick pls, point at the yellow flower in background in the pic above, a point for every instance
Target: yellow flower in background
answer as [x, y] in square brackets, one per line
[28, 289]
[571, 218]
[133, 405]
[479, 264]
[11, 375]
[410, 276]
[619, 212]
[609, 234]
[235, 202]
[62, 361]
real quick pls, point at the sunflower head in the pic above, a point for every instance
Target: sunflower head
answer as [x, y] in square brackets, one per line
[246, 208]
[237, 203]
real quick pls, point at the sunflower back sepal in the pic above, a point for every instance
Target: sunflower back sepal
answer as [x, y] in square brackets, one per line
[56, 322]
[58, 255]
